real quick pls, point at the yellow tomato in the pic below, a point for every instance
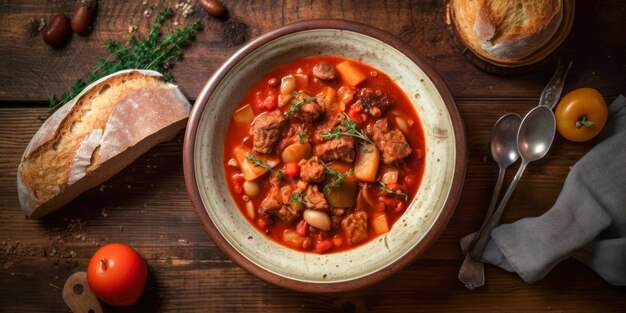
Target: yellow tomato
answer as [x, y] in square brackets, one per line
[581, 114]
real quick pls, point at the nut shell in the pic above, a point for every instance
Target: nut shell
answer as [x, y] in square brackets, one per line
[58, 31]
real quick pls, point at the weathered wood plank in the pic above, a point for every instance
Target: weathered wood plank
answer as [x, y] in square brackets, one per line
[31, 71]
[425, 286]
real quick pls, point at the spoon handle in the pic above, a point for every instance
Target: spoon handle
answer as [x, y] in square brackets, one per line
[492, 206]
[472, 272]
[481, 243]
[552, 91]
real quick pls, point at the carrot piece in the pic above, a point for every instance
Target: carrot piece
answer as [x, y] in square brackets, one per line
[350, 73]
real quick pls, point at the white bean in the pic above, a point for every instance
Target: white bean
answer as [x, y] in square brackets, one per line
[251, 189]
[317, 219]
[250, 209]
[402, 125]
[287, 85]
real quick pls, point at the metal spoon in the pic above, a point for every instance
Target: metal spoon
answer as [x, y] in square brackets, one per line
[504, 152]
[534, 139]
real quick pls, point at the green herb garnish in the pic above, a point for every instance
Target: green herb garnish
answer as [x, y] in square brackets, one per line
[302, 138]
[297, 197]
[151, 53]
[250, 157]
[347, 128]
[383, 188]
[295, 105]
[337, 176]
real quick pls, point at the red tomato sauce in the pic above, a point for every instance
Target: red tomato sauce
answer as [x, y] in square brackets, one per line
[263, 96]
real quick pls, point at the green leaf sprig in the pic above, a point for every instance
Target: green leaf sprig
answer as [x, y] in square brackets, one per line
[383, 188]
[250, 157]
[338, 177]
[302, 138]
[295, 105]
[347, 128]
[151, 53]
[297, 197]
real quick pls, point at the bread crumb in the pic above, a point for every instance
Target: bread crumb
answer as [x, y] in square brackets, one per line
[132, 28]
[55, 286]
[121, 228]
[104, 213]
[183, 241]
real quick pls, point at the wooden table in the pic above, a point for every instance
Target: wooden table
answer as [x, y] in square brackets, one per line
[146, 205]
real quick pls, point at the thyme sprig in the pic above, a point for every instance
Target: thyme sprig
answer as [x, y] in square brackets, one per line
[383, 188]
[295, 106]
[338, 177]
[297, 197]
[347, 128]
[151, 53]
[250, 157]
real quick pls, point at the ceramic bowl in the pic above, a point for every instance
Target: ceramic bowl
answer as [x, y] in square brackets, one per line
[424, 219]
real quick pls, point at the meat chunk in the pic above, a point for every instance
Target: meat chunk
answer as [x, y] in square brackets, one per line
[293, 133]
[311, 170]
[391, 142]
[275, 205]
[272, 202]
[340, 149]
[309, 112]
[266, 131]
[287, 214]
[355, 227]
[371, 99]
[314, 199]
[325, 71]
[336, 217]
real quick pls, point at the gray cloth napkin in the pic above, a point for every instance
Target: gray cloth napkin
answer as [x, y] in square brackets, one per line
[587, 222]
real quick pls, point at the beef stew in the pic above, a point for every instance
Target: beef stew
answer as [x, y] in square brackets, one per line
[326, 160]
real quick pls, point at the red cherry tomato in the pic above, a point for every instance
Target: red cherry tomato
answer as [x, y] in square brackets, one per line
[322, 246]
[302, 228]
[265, 101]
[292, 169]
[117, 274]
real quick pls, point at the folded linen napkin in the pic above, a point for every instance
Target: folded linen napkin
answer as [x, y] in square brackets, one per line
[587, 222]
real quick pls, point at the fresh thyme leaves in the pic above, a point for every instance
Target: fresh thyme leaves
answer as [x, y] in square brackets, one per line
[383, 188]
[250, 157]
[295, 105]
[337, 176]
[302, 138]
[348, 127]
[297, 197]
[151, 53]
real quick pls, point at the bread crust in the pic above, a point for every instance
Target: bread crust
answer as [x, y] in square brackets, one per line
[506, 31]
[123, 114]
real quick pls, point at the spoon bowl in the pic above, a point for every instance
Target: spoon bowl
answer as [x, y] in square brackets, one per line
[536, 133]
[504, 140]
